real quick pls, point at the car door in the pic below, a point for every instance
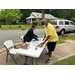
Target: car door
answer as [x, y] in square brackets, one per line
[72, 26]
[67, 26]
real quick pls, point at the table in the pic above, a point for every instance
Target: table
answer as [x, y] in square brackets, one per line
[31, 52]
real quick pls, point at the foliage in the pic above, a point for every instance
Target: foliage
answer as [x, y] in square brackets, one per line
[26, 13]
[11, 15]
[3, 22]
[34, 22]
[64, 13]
[48, 20]
[60, 13]
[1, 17]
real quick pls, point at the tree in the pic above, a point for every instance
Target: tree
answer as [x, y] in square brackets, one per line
[64, 13]
[11, 15]
[1, 17]
[35, 23]
[26, 13]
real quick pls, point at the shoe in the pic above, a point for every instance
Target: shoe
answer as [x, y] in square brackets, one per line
[47, 53]
[48, 60]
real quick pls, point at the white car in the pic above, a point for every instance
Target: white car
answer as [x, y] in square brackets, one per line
[63, 26]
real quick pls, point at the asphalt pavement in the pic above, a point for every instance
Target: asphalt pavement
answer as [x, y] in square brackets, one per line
[15, 35]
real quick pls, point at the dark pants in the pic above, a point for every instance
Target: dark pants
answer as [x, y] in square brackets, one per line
[51, 46]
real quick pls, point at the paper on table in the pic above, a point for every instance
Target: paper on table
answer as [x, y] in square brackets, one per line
[34, 42]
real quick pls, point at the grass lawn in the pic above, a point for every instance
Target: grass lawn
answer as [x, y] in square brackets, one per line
[69, 60]
[61, 40]
[7, 27]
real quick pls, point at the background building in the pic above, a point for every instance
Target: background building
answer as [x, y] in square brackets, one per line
[38, 17]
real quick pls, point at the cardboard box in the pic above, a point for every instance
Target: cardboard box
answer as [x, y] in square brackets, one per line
[25, 47]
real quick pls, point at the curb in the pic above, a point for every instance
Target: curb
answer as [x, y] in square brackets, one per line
[66, 35]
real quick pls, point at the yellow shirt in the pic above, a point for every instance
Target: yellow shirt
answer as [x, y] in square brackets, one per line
[50, 30]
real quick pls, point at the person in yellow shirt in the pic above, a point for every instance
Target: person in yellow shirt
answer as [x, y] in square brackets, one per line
[51, 37]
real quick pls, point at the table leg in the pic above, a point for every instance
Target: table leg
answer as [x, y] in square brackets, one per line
[32, 60]
[25, 60]
[45, 50]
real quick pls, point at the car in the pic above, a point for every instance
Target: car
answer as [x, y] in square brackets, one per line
[63, 26]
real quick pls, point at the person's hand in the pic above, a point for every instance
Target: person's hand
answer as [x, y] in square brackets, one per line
[42, 44]
[37, 39]
[43, 39]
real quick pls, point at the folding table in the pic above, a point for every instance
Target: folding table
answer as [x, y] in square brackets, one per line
[31, 52]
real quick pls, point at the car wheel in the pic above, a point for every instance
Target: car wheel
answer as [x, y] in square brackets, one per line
[74, 31]
[62, 32]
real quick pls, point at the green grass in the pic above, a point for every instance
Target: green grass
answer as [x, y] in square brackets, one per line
[67, 61]
[61, 40]
[7, 27]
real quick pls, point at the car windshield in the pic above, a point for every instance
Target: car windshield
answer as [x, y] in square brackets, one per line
[53, 22]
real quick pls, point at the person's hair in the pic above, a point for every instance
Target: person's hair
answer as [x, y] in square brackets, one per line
[43, 21]
[33, 26]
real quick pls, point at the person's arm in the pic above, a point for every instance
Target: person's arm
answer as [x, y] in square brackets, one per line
[45, 40]
[49, 33]
[44, 37]
[35, 35]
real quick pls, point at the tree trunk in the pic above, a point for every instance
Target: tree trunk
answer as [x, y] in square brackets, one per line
[24, 20]
[0, 24]
[10, 23]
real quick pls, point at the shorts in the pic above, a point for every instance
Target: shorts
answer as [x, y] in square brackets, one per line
[51, 46]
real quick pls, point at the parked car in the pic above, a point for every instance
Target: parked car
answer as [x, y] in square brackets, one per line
[63, 26]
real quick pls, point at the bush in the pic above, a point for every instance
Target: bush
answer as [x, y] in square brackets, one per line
[14, 22]
[48, 20]
[34, 22]
[19, 26]
[3, 22]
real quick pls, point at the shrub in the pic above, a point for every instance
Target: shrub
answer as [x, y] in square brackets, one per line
[19, 26]
[34, 22]
[48, 20]
[3, 22]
